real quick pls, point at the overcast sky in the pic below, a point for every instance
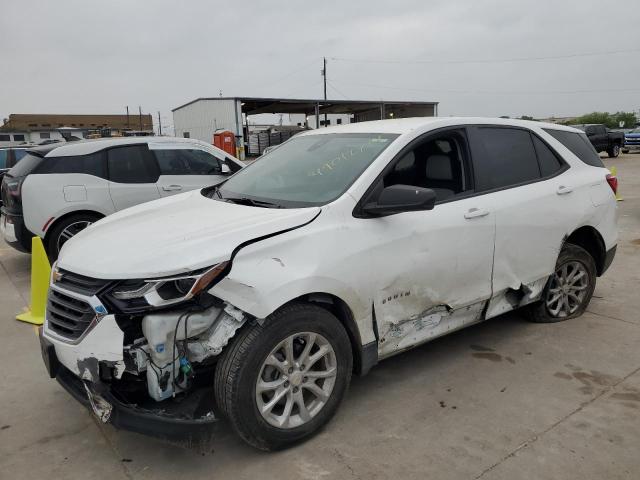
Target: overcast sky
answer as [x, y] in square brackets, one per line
[79, 56]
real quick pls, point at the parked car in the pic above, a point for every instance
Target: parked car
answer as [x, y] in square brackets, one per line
[603, 139]
[9, 156]
[59, 189]
[631, 140]
[349, 245]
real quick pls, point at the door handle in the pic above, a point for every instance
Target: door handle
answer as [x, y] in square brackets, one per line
[563, 190]
[476, 213]
[171, 188]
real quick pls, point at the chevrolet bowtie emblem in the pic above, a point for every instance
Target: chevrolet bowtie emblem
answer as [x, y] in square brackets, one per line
[56, 276]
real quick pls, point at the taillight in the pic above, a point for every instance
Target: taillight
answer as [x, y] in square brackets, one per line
[12, 191]
[612, 180]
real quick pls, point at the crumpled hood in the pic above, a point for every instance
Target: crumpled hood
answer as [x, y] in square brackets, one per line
[172, 235]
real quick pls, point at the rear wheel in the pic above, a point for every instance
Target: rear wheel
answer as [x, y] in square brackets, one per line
[570, 288]
[280, 382]
[614, 151]
[66, 229]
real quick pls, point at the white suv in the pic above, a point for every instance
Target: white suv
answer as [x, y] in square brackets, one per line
[341, 247]
[58, 190]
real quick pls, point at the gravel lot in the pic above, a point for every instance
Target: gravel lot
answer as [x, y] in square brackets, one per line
[502, 400]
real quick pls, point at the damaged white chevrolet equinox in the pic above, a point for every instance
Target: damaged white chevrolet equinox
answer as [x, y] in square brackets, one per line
[256, 300]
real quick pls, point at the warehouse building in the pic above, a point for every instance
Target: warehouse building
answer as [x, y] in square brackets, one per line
[36, 128]
[202, 117]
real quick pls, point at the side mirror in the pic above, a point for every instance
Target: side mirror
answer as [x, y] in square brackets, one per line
[224, 169]
[401, 198]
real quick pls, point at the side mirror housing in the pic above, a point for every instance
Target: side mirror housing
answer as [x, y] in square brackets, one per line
[401, 198]
[224, 169]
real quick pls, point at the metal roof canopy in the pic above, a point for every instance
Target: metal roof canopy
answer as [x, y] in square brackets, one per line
[254, 106]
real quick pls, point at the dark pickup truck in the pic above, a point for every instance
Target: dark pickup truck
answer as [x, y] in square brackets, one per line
[603, 139]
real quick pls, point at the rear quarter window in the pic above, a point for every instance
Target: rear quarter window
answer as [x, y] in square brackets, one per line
[92, 164]
[578, 144]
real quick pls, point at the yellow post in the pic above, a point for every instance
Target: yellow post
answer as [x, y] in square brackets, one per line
[40, 273]
[614, 172]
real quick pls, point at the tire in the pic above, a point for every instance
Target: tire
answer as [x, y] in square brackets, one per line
[572, 257]
[614, 151]
[243, 364]
[69, 225]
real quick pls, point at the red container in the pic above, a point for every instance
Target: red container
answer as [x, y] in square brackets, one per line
[225, 140]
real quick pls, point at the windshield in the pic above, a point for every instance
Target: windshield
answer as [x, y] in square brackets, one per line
[306, 170]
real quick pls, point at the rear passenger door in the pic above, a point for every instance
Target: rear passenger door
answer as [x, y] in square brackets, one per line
[185, 167]
[530, 193]
[133, 174]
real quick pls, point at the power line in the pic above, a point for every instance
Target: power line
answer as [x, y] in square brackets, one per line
[291, 73]
[336, 90]
[485, 60]
[494, 92]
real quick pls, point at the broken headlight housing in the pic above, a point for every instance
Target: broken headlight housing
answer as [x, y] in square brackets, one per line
[161, 292]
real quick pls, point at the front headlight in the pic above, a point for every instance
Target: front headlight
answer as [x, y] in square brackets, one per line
[171, 290]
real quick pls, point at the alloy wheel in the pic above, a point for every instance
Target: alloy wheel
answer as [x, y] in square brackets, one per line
[567, 289]
[296, 380]
[71, 230]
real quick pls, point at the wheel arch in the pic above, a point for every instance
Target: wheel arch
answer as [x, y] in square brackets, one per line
[57, 221]
[590, 239]
[362, 354]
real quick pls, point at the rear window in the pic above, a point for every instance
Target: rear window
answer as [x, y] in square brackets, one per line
[92, 164]
[578, 144]
[25, 166]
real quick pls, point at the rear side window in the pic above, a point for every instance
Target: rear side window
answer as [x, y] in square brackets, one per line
[133, 164]
[3, 158]
[578, 144]
[92, 164]
[549, 161]
[510, 157]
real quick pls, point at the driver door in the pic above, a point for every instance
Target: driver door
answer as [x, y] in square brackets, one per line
[433, 268]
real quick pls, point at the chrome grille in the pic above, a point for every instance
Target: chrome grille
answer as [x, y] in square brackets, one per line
[68, 316]
[79, 283]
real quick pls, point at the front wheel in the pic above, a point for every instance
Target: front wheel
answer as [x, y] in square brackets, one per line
[570, 288]
[280, 382]
[614, 151]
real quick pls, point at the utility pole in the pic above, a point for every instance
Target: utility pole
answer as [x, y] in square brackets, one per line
[128, 127]
[140, 116]
[324, 74]
[159, 125]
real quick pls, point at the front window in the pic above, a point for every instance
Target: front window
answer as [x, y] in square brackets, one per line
[306, 170]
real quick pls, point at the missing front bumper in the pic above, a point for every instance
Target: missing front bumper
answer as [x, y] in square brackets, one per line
[186, 421]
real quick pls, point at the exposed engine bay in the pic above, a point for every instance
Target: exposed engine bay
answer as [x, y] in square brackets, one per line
[174, 342]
